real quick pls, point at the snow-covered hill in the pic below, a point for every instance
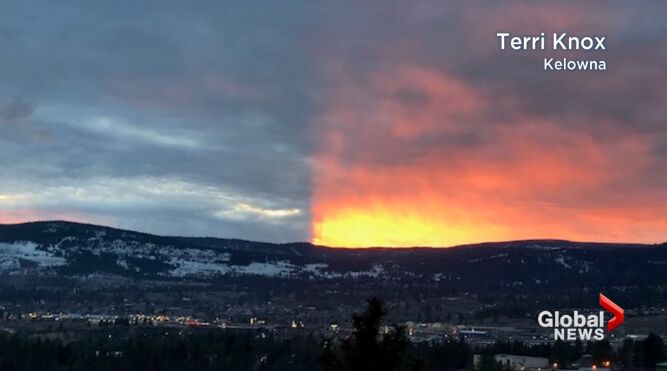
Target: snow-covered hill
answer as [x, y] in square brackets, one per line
[70, 249]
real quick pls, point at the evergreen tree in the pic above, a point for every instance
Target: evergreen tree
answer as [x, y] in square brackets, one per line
[366, 349]
[652, 349]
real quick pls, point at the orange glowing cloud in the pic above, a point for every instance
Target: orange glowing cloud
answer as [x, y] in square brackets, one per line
[413, 156]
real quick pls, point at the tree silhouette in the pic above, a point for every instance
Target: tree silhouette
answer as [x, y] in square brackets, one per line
[366, 349]
[652, 350]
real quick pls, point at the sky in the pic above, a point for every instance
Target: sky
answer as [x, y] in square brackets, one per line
[343, 123]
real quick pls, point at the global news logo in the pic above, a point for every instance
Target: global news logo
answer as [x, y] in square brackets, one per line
[578, 326]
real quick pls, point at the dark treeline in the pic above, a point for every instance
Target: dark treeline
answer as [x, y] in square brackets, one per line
[217, 350]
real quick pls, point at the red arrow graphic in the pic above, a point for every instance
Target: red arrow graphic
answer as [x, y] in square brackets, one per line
[610, 306]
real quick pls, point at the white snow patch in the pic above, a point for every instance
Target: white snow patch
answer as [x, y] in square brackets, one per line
[274, 269]
[376, 271]
[560, 260]
[201, 268]
[315, 269]
[585, 267]
[196, 268]
[11, 253]
[122, 263]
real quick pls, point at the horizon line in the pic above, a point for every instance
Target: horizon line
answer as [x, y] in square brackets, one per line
[526, 240]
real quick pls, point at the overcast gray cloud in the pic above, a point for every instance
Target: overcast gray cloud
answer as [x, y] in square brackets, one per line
[157, 116]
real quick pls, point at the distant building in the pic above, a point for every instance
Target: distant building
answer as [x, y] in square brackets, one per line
[517, 363]
[586, 363]
[522, 363]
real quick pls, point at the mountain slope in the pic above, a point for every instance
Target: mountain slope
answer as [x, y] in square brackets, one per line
[71, 249]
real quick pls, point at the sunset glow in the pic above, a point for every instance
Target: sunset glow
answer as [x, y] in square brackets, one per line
[367, 228]
[413, 156]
